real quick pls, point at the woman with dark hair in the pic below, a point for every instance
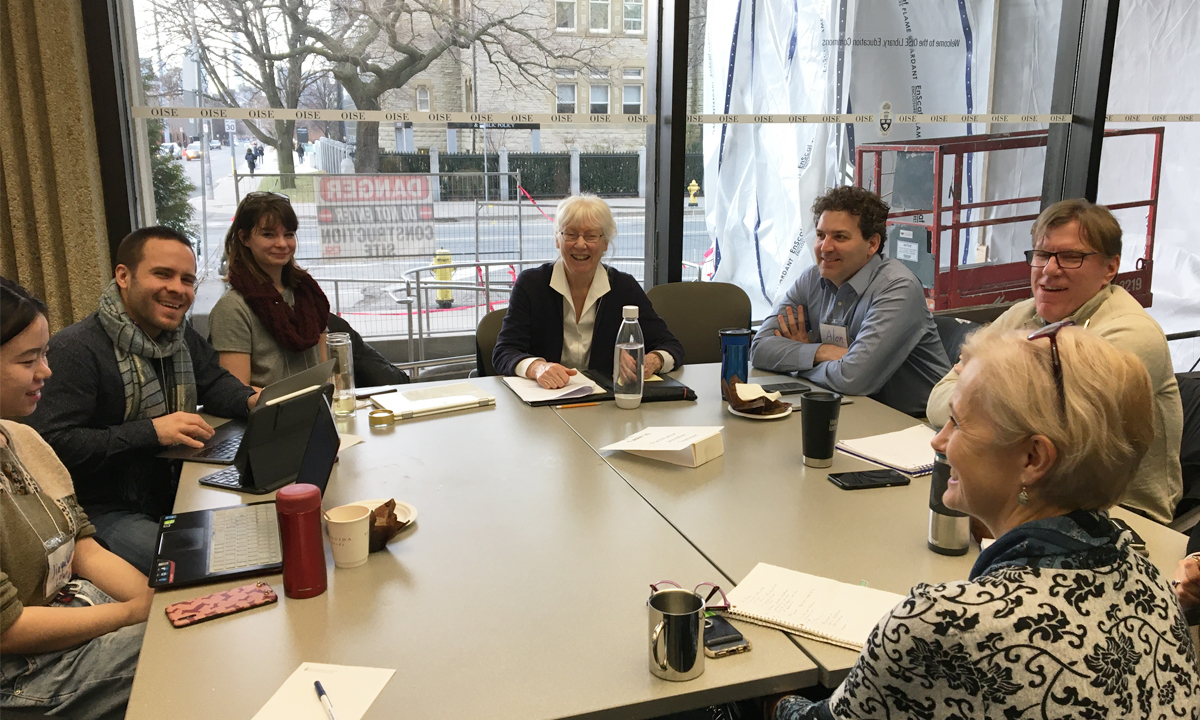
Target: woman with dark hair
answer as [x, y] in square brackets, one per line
[271, 323]
[72, 614]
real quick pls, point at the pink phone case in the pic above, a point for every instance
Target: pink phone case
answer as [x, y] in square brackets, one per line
[190, 612]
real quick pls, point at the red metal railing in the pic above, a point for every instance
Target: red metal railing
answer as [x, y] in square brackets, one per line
[990, 283]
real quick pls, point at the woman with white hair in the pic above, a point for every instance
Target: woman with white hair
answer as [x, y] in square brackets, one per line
[1060, 617]
[563, 316]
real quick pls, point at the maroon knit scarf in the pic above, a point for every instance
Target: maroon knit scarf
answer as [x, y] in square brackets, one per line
[296, 328]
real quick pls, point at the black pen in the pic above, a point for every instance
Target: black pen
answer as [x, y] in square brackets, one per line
[368, 396]
[324, 699]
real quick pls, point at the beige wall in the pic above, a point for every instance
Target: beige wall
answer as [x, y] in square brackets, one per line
[53, 237]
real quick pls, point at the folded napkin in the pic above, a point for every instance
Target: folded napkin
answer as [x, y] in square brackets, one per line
[750, 398]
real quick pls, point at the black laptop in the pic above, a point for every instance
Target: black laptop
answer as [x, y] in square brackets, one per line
[221, 448]
[225, 543]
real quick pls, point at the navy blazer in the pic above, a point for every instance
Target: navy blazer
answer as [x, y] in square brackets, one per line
[534, 324]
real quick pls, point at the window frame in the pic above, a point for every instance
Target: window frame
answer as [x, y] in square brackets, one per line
[554, 16]
[592, 88]
[625, 5]
[607, 29]
[428, 99]
[558, 104]
[641, 99]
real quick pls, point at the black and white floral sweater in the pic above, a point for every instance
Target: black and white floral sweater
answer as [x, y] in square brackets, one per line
[1060, 619]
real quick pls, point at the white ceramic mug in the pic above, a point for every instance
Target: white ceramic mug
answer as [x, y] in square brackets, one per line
[349, 528]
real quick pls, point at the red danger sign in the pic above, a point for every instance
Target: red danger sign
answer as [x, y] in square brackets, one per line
[377, 188]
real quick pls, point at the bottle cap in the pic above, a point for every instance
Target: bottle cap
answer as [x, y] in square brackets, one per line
[629, 312]
[298, 498]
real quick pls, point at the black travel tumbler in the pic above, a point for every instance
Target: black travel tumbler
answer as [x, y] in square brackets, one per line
[819, 412]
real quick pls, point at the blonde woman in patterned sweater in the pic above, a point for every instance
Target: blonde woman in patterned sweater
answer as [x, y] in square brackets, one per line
[72, 614]
[1060, 618]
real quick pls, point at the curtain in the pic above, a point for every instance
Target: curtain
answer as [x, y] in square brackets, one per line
[53, 237]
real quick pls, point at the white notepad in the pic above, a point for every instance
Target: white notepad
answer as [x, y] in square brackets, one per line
[351, 691]
[433, 400]
[905, 450]
[578, 386]
[810, 606]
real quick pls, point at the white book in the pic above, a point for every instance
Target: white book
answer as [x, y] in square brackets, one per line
[905, 450]
[810, 606]
[433, 400]
[687, 446]
[578, 386]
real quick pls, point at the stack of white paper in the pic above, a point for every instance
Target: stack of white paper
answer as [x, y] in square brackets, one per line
[578, 386]
[433, 400]
[688, 446]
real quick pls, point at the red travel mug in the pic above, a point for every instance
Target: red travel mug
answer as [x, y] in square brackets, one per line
[299, 509]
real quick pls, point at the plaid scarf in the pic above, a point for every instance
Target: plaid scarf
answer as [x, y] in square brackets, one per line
[144, 396]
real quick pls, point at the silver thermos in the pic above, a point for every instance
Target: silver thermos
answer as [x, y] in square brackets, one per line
[949, 530]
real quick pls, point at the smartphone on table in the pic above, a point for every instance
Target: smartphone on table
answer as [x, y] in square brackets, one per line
[721, 638]
[868, 479]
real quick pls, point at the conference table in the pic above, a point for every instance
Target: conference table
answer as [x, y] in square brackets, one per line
[520, 591]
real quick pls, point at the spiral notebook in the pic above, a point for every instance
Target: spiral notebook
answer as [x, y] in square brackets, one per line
[810, 606]
[905, 450]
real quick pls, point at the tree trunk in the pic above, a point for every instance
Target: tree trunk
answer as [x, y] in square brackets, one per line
[366, 141]
[284, 146]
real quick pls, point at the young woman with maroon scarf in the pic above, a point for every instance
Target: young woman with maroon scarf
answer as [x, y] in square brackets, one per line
[271, 323]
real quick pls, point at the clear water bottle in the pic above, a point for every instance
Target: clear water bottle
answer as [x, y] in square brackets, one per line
[629, 360]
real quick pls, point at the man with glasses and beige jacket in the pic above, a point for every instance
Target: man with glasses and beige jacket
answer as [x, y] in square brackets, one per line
[1076, 255]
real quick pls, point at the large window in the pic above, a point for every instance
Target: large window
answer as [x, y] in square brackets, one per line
[598, 15]
[634, 13]
[565, 94]
[599, 105]
[564, 14]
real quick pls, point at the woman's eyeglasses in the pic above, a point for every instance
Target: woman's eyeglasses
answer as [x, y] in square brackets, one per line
[1067, 259]
[713, 590]
[591, 238]
[1051, 331]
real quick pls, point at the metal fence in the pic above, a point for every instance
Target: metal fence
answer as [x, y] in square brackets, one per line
[487, 243]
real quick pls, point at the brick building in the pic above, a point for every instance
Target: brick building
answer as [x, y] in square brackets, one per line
[607, 75]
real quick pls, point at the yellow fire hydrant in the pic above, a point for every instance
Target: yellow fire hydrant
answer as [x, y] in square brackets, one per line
[445, 297]
[693, 188]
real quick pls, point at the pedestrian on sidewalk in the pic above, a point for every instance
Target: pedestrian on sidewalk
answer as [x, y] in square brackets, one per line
[300, 152]
[251, 159]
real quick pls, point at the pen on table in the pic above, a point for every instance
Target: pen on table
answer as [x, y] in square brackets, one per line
[564, 407]
[368, 396]
[324, 699]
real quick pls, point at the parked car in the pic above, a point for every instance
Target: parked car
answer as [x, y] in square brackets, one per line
[193, 151]
[170, 150]
[214, 144]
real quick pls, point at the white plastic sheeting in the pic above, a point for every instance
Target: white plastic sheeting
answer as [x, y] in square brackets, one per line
[1156, 69]
[759, 180]
[935, 56]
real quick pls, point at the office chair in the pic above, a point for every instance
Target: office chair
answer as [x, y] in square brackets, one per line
[953, 333]
[696, 311]
[485, 341]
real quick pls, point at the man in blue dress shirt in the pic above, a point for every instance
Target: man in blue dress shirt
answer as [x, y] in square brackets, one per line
[856, 322]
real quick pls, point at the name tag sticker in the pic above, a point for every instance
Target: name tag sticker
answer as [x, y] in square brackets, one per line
[59, 571]
[834, 335]
[906, 251]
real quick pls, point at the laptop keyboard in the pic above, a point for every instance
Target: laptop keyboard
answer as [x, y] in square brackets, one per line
[244, 537]
[224, 450]
[227, 478]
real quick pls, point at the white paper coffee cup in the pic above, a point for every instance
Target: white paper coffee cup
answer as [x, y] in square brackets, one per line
[348, 527]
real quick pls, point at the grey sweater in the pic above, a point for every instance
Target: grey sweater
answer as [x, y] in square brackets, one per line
[82, 416]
